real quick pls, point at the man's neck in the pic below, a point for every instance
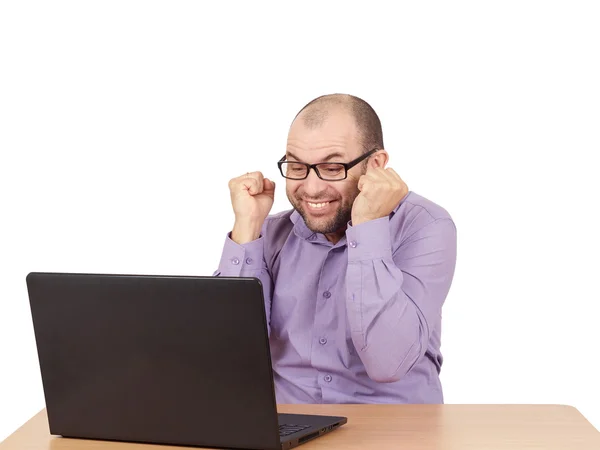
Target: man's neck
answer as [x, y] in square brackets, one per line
[335, 237]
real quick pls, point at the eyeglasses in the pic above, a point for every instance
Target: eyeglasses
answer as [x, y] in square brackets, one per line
[334, 171]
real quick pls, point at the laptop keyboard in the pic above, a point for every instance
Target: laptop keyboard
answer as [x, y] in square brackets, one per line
[287, 429]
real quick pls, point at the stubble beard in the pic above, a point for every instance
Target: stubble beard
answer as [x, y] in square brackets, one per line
[325, 225]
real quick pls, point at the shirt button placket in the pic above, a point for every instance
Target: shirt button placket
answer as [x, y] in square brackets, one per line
[323, 348]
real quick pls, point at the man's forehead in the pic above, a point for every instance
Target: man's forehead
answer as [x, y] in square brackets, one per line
[315, 142]
[306, 150]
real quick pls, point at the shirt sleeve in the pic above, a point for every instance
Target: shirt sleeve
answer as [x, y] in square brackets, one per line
[247, 260]
[393, 296]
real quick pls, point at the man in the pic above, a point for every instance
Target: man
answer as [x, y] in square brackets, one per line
[355, 275]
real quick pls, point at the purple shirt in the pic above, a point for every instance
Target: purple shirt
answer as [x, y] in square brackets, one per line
[358, 321]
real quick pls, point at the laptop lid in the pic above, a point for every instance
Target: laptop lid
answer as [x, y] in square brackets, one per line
[155, 359]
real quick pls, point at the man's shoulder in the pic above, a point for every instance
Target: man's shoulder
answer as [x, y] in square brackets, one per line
[277, 218]
[278, 224]
[276, 231]
[417, 212]
[281, 215]
[417, 205]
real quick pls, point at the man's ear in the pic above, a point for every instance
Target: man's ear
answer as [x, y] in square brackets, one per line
[379, 160]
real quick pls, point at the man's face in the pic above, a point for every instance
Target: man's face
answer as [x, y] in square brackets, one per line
[325, 206]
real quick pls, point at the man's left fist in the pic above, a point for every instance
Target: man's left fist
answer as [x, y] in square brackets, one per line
[380, 192]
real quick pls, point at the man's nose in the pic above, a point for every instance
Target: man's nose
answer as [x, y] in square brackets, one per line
[313, 185]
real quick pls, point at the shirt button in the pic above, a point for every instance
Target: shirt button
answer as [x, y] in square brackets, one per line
[235, 261]
[353, 244]
[327, 378]
[249, 261]
[326, 294]
[323, 341]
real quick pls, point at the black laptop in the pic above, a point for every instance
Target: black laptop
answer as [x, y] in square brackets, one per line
[161, 359]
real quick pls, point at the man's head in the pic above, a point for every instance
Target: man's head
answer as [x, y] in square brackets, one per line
[332, 128]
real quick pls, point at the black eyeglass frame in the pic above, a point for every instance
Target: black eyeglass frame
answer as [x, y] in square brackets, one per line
[315, 167]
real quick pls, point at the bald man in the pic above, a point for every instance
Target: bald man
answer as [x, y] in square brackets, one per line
[355, 274]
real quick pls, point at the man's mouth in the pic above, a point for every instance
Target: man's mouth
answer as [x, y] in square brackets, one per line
[319, 206]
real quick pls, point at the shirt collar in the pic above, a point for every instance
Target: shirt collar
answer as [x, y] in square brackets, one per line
[300, 228]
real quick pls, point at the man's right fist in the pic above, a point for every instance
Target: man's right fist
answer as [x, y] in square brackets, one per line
[252, 198]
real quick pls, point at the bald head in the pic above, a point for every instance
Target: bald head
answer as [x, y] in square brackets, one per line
[315, 113]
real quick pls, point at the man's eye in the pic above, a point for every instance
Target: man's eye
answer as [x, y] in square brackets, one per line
[332, 169]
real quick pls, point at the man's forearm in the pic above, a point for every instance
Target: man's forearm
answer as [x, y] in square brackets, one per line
[245, 231]
[247, 260]
[387, 331]
[391, 301]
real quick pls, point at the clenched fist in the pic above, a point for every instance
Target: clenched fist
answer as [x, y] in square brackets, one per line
[380, 192]
[252, 198]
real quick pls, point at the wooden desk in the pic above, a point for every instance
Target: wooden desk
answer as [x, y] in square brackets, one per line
[381, 427]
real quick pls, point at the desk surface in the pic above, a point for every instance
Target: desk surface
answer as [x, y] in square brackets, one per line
[407, 427]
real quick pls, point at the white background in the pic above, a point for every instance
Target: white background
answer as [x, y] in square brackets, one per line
[122, 122]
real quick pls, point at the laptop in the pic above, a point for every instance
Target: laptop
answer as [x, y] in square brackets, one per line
[175, 360]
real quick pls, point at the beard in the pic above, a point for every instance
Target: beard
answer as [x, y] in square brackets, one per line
[332, 223]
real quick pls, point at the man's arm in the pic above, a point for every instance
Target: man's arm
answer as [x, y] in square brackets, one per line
[392, 298]
[246, 259]
[252, 198]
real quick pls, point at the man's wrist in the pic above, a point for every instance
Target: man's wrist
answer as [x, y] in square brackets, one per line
[245, 231]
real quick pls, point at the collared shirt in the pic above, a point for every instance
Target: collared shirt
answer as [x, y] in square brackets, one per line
[358, 321]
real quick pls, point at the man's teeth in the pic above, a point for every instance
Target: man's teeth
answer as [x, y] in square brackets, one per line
[318, 205]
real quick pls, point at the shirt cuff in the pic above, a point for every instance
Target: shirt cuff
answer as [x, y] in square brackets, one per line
[369, 240]
[241, 259]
